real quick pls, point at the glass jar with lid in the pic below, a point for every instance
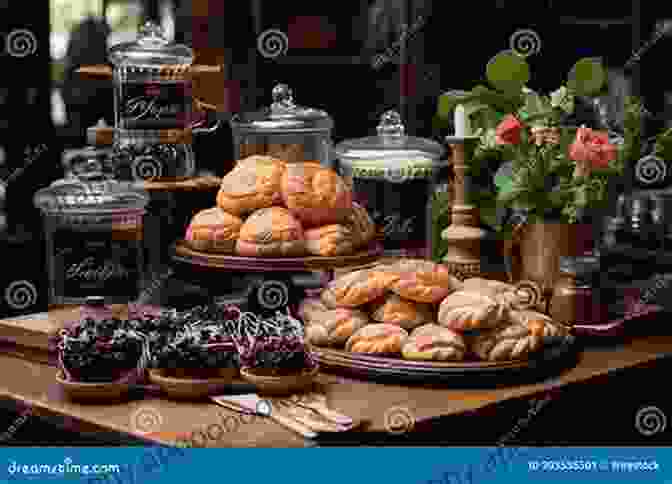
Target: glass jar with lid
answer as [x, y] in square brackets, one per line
[284, 130]
[576, 296]
[395, 177]
[155, 110]
[94, 238]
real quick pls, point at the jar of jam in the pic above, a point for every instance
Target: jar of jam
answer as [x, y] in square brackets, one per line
[576, 296]
[94, 238]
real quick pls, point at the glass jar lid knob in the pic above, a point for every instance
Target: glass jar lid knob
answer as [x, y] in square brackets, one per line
[283, 98]
[391, 128]
[152, 34]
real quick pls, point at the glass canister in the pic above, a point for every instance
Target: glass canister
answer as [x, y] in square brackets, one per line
[395, 177]
[94, 238]
[152, 88]
[156, 113]
[576, 296]
[284, 130]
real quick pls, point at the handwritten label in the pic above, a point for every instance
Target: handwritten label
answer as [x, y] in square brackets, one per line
[95, 263]
[394, 225]
[88, 270]
[149, 108]
[398, 210]
[162, 107]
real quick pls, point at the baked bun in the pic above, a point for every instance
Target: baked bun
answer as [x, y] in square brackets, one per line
[315, 195]
[516, 341]
[379, 339]
[334, 327]
[253, 184]
[487, 286]
[423, 280]
[434, 343]
[357, 288]
[310, 308]
[271, 232]
[362, 226]
[467, 311]
[330, 240]
[213, 230]
[401, 312]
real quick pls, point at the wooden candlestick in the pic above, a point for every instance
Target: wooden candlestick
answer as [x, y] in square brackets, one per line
[464, 234]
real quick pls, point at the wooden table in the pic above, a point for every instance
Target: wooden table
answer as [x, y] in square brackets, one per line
[33, 384]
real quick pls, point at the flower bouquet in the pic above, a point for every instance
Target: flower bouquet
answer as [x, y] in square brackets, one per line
[539, 169]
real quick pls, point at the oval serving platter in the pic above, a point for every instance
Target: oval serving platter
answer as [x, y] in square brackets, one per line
[183, 253]
[554, 358]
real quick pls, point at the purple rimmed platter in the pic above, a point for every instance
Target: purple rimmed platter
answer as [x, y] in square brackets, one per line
[181, 252]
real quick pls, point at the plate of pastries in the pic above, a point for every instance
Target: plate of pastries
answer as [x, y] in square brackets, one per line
[412, 318]
[270, 211]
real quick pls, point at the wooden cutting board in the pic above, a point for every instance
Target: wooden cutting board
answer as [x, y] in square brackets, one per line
[32, 331]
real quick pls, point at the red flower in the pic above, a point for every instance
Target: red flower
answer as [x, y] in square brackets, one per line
[509, 131]
[591, 150]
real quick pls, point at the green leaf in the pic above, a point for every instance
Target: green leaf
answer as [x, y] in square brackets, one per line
[534, 104]
[503, 182]
[587, 77]
[508, 72]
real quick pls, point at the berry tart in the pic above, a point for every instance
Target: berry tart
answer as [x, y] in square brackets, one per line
[101, 359]
[274, 355]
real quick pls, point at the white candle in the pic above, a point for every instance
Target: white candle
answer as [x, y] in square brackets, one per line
[462, 127]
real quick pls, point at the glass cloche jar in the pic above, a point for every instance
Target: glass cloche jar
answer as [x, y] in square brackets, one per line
[395, 176]
[284, 130]
[94, 237]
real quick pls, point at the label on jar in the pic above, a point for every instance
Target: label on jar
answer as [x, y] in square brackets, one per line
[154, 106]
[399, 211]
[95, 264]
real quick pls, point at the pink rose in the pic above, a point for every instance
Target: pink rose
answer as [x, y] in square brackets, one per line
[508, 132]
[591, 150]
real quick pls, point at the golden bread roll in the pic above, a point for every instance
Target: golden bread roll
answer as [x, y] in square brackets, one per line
[362, 226]
[487, 286]
[401, 312]
[253, 184]
[271, 232]
[310, 308]
[334, 327]
[213, 230]
[432, 342]
[467, 311]
[357, 288]
[378, 339]
[423, 280]
[330, 240]
[515, 341]
[315, 195]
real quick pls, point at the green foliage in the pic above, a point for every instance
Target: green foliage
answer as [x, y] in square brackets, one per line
[587, 77]
[508, 72]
